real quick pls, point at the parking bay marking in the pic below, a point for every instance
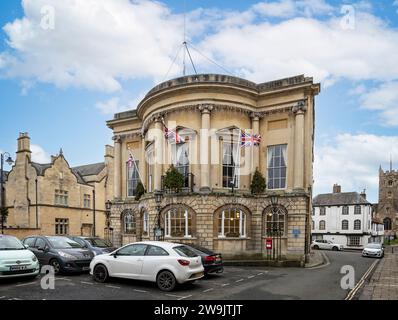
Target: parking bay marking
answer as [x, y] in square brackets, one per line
[225, 284]
[207, 290]
[185, 297]
[84, 282]
[26, 284]
[136, 290]
[174, 296]
[240, 280]
[114, 287]
[2, 297]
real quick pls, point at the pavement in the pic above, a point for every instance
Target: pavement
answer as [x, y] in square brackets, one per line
[383, 283]
[322, 282]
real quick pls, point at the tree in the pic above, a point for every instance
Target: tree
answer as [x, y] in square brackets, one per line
[173, 180]
[3, 214]
[139, 191]
[258, 183]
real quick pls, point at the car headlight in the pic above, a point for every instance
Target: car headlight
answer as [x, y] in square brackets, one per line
[94, 253]
[66, 255]
[34, 259]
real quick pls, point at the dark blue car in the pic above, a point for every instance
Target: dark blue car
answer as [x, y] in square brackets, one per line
[94, 244]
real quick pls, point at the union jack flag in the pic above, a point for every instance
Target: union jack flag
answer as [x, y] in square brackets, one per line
[172, 135]
[247, 139]
[130, 160]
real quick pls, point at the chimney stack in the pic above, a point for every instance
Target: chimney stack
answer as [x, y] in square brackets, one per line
[363, 194]
[336, 188]
[23, 149]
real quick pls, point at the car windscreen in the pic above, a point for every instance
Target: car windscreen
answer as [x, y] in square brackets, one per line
[97, 242]
[374, 246]
[184, 251]
[63, 243]
[10, 243]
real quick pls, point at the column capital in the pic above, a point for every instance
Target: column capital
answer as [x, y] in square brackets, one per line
[256, 116]
[300, 107]
[117, 138]
[206, 108]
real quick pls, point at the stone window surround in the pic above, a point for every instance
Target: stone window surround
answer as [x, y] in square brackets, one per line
[248, 222]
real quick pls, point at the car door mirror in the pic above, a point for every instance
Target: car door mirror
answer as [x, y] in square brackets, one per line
[26, 246]
[114, 255]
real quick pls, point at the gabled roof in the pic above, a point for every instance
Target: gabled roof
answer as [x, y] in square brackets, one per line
[80, 172]
[342, 198]
[89, 169]
[41, 167]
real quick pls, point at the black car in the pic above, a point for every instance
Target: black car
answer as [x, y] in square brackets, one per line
[212, 262]
[64, 254]
[94, 244]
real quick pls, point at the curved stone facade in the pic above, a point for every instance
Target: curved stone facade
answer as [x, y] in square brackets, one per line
[209, 114]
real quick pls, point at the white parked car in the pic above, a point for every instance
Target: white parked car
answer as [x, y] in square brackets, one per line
[326, 244]
[373, 250]
[16, 260]
[165, 263]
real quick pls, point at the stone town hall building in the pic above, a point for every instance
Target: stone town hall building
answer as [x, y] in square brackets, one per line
[207, 112]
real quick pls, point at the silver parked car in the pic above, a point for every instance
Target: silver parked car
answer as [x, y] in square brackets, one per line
[373, 250]
[326, 244]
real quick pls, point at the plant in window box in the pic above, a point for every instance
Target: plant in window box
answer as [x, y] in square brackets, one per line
[258, 184]
[139, 191]
[173, 179]
[233, 235]
[179, 234]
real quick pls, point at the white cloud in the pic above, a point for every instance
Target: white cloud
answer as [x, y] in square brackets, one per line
[290, 8]
[95, 43]
[385, 100]
[322, 49]
[111, 106]
[353, 162]
[39, 155]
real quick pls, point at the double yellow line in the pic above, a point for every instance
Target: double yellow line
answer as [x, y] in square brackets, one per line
[352, 293]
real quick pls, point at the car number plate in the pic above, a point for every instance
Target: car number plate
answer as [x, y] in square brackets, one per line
[86, 268]
[18, 268]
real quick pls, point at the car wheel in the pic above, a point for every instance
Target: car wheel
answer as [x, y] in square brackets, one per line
[316, 247]
[335, 249]
[166, 281]
[56, 265]
[100, 273]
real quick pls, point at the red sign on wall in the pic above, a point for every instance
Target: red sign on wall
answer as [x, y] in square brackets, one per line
[268, 243]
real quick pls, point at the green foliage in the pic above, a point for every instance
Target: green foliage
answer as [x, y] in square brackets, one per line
[3, 214]
[173, 180]
[139, 191]
[258, 183]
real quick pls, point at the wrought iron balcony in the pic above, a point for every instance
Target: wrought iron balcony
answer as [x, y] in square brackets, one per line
[189, 182]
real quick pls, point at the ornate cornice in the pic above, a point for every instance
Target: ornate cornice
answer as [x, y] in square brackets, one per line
[247, 110]
[300, 107]
[125, 136]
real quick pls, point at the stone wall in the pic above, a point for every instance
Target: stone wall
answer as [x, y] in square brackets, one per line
[205, 208]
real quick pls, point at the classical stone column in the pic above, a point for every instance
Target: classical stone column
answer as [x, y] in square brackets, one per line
[117, 167]
[158, 154]
[255, 161]
[204, 148]
[299, 111]
[143, 163]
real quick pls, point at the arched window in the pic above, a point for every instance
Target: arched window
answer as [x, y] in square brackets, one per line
[232, 223]
[387, 223]
[129, 222]
[322, 225]
[344, 225]
[275, 221]
[178, 222]
[357, 224]
[145, 223]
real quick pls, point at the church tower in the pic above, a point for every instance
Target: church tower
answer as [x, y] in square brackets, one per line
[388, 199]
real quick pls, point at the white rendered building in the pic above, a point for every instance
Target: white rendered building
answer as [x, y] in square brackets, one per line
[344, 218]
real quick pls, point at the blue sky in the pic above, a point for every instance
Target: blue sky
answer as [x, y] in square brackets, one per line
[61, 84]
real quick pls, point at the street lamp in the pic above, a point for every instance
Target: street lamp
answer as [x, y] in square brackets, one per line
[158, 231]
[2, 193]
[108, 206]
